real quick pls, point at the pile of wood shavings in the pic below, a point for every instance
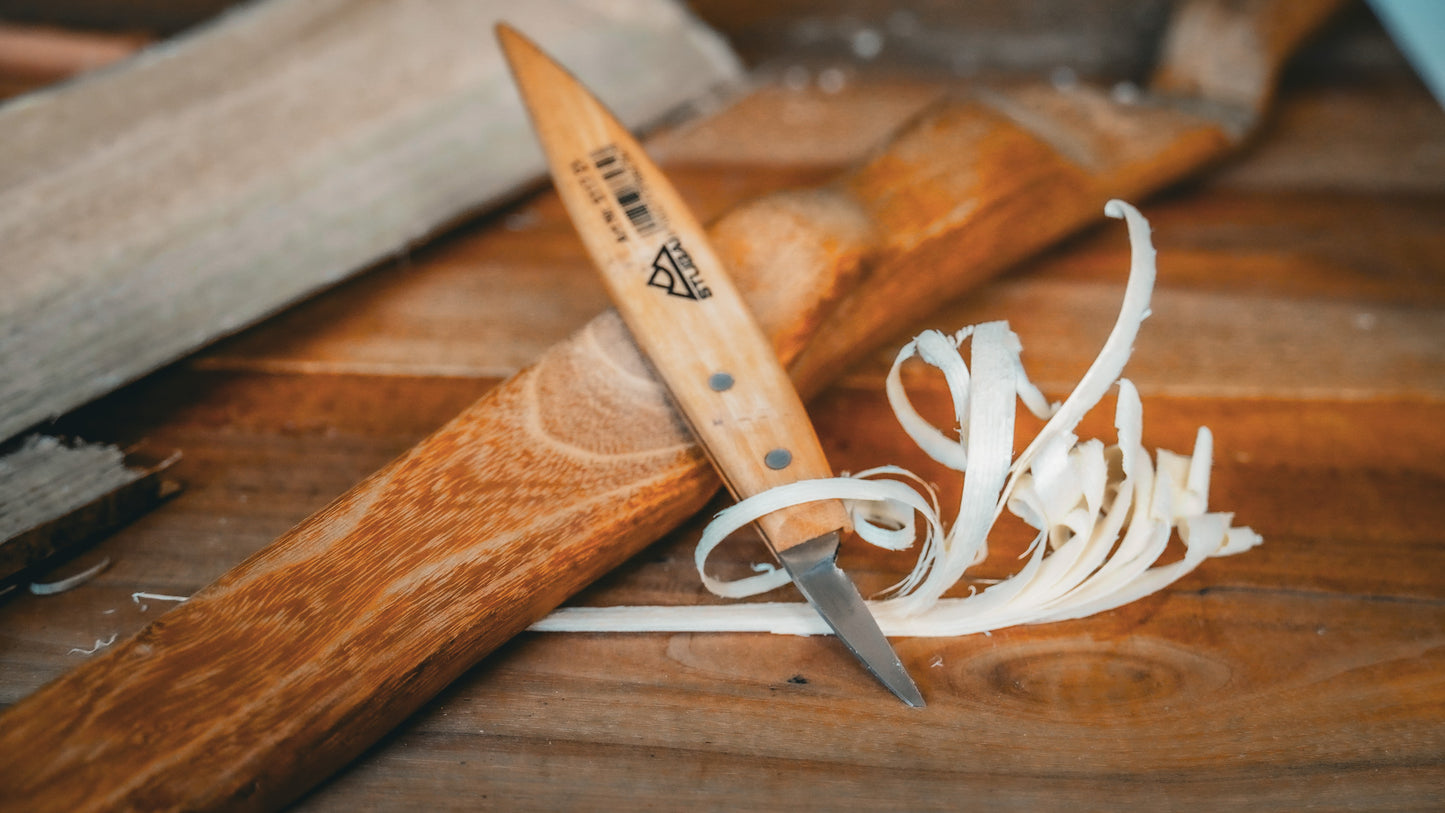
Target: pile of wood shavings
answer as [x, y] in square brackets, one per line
[1103, 515]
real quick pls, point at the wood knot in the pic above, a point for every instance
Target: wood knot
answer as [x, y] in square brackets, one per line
[1085, 681]
[1097, 679]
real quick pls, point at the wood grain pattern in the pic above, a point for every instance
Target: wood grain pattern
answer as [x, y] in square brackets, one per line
[1303, 674]
[682, 691]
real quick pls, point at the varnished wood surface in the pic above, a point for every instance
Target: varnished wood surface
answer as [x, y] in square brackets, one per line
[1306, 330]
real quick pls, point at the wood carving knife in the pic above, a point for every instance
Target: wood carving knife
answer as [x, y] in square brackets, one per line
[686, 316]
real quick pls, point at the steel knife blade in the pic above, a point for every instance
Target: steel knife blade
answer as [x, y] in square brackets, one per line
[699, 335]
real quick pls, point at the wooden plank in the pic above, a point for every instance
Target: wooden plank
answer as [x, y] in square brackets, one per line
[1164, 703]
[56, 496]
[1356, 554]
[1395, 152]
[1219, 341]
[217, 178]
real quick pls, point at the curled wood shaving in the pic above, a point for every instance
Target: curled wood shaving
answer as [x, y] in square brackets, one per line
[1104, 515]
[100, 643]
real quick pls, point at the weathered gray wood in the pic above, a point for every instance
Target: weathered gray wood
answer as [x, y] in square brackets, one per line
[215, 179]
[56, 496]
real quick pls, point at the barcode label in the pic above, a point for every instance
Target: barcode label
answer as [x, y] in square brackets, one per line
[626, 187]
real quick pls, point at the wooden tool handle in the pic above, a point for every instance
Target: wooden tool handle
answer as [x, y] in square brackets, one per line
[677, 298]
[301, 657]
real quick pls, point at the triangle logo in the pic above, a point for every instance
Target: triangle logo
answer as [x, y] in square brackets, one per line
[667, 275]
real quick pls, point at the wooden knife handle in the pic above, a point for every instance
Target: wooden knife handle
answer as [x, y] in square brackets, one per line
[721, 372]
[676, 297]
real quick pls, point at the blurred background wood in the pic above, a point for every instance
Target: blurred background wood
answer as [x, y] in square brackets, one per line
[1110, 39]
[1299, 315]
[164, 17]
[32, 57]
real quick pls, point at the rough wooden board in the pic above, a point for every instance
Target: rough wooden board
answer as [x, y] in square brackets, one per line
[57, 495]
[45, 474]
[217, 178]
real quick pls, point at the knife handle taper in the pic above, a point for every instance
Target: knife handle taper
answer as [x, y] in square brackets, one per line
[677, 299]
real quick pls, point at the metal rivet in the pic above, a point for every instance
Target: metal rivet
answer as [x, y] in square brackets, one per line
[720, 382]
[778, 459]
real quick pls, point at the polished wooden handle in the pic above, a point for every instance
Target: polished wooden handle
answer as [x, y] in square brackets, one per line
[677, 297]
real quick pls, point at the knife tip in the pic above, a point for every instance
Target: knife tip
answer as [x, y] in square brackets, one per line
[814, 569]
[909, 694]
[895, 677]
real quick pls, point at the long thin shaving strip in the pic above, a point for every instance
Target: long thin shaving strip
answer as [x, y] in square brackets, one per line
[1103, 515]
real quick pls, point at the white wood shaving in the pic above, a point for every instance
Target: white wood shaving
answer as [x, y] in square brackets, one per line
[1103, 515]
[100, 643]
[141, 597]
[70, 583]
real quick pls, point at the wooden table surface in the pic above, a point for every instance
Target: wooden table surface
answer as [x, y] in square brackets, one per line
[1300, 314]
